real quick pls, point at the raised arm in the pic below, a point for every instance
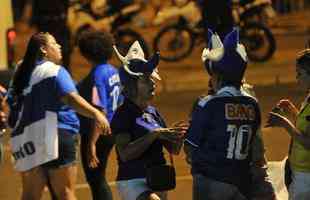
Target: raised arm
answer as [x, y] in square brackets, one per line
[130, 150]
[277, 120]
[78, 103]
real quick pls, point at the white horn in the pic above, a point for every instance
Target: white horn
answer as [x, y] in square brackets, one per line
[217, 51]
[216, 54]
[125, 62]
[242, 52]
[216, 41]
[213, 55]
[123, 59]
[204, 54]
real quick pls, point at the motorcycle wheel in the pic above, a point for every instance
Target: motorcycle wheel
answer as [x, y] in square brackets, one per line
[259, 41]
[174, 42]
[124, 39]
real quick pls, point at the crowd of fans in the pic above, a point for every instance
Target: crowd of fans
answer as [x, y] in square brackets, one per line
[222, 140]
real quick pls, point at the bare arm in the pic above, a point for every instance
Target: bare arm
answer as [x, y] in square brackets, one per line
[78, 103]
[302, 138]
[92, 159]
[131, 150]
[278, 120]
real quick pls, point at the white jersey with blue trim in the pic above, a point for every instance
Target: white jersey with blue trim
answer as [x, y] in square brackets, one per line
[35, 133]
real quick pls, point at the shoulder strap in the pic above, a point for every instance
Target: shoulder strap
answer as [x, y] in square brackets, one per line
[171, 159]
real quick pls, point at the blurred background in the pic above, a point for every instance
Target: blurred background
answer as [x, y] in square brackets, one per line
[272, 31]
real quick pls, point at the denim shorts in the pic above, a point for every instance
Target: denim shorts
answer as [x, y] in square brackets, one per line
[68, 143]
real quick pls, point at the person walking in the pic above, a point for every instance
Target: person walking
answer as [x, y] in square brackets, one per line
[140, 131]
[44, 125]
[223, 144]
[102, 88]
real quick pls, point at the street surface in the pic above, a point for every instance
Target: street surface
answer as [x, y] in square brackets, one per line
[182, 83]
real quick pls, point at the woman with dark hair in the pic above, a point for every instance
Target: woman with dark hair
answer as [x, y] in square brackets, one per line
[44, 125]
[296, 122]
[140, 132]
[102, 88]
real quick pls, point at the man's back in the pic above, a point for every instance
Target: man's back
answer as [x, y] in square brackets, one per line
[222, 128]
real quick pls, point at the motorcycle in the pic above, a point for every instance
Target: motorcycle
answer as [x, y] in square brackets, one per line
[81, 17]
[253, 11]
[176, 41]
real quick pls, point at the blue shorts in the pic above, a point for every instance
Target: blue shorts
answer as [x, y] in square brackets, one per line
[67, 150]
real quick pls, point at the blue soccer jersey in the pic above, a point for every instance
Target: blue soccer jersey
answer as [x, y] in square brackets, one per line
[67, 118]
[106, 89]
[102, 88]
[221, 133]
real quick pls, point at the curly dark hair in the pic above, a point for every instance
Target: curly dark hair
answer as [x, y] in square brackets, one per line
[96, 46]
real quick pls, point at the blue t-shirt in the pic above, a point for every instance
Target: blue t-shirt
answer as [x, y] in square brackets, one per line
[132, 120]
[48, 83]
[67, 118]
[102, 88]
[221, 133]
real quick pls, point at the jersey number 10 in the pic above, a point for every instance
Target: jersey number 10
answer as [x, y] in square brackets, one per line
[115, 94]
[239, 141]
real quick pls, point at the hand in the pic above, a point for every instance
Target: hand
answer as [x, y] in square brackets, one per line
[276, 120]
[102, 123]
[92, 159]
[182, 126]
[169, 134]
[287, 106]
